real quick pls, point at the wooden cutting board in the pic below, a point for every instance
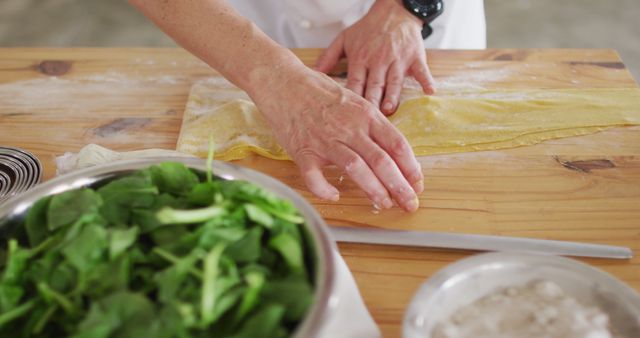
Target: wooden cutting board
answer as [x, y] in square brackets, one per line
[581, 189]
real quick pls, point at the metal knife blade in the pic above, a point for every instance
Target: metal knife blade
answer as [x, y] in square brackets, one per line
[449, 240]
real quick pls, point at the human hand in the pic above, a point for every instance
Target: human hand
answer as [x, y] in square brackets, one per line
[319, 123]
[381, 49]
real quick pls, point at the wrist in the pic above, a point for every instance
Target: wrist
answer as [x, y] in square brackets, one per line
[397, 7]
[254, 61]
[270, 71]
[270, 77]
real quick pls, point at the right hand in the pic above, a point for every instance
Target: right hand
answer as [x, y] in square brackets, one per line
[319, 123]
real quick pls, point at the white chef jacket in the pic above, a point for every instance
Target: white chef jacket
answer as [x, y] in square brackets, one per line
[315, 23]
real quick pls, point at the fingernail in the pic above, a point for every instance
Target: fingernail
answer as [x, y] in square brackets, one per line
[335, 197]
[386, 203]
[413, 204]
[387, 106]
[418, 187]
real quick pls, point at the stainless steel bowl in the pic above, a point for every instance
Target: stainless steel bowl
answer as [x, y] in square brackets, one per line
[13, 211]
[469, 279]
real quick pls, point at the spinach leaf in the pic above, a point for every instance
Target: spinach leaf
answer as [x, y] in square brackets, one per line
[255, 280]
[87, 249]
[173, 177]
[122, 314]
[160, 252]
[120, 240]
[36, 222]
[123, 194]
[258, 215]
[265, 323]
[210, 276]
[203, 194]
[295, 294]
[291, 251]
[12, 289]
[248, 248]
[69, 206]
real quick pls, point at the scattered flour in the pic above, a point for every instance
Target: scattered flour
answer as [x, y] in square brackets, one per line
[79, 93]
[473, 80]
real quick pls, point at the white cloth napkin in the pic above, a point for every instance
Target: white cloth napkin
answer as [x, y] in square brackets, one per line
[93, 154]
[348, 316]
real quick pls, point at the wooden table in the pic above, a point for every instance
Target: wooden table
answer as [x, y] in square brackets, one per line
[581, 189]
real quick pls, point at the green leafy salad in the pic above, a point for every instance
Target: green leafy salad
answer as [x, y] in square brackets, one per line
[161, 252]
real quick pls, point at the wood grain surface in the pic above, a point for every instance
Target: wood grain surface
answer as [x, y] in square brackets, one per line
[583, 188]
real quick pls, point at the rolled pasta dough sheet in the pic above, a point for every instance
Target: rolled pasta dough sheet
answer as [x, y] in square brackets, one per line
[449, 123]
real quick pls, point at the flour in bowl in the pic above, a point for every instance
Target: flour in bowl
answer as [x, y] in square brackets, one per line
[538, 309]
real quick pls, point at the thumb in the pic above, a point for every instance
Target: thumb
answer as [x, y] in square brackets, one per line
[314, 179]
[331, 55]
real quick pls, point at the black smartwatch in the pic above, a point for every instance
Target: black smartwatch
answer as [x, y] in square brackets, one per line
[425, 10]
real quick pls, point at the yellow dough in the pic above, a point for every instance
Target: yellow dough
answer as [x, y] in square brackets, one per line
[472, 121]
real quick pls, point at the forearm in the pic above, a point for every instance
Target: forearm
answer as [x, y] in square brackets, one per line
[217, 34]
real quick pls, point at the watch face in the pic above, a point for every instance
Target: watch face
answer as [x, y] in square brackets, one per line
[426, 9]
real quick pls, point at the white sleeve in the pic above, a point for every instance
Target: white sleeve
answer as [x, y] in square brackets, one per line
[461, 26]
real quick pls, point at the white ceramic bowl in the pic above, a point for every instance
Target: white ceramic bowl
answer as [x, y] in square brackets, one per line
[469, 279]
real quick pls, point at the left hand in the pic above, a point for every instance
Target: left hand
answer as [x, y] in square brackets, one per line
[381, 49]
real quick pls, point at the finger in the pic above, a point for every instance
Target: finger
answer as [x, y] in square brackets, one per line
[356, 77]
[358, 170]
[311, 170]
[420, 71]
[331, 55]
[375, 84]
[397, 146]
[387, 172]
[393, 87]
